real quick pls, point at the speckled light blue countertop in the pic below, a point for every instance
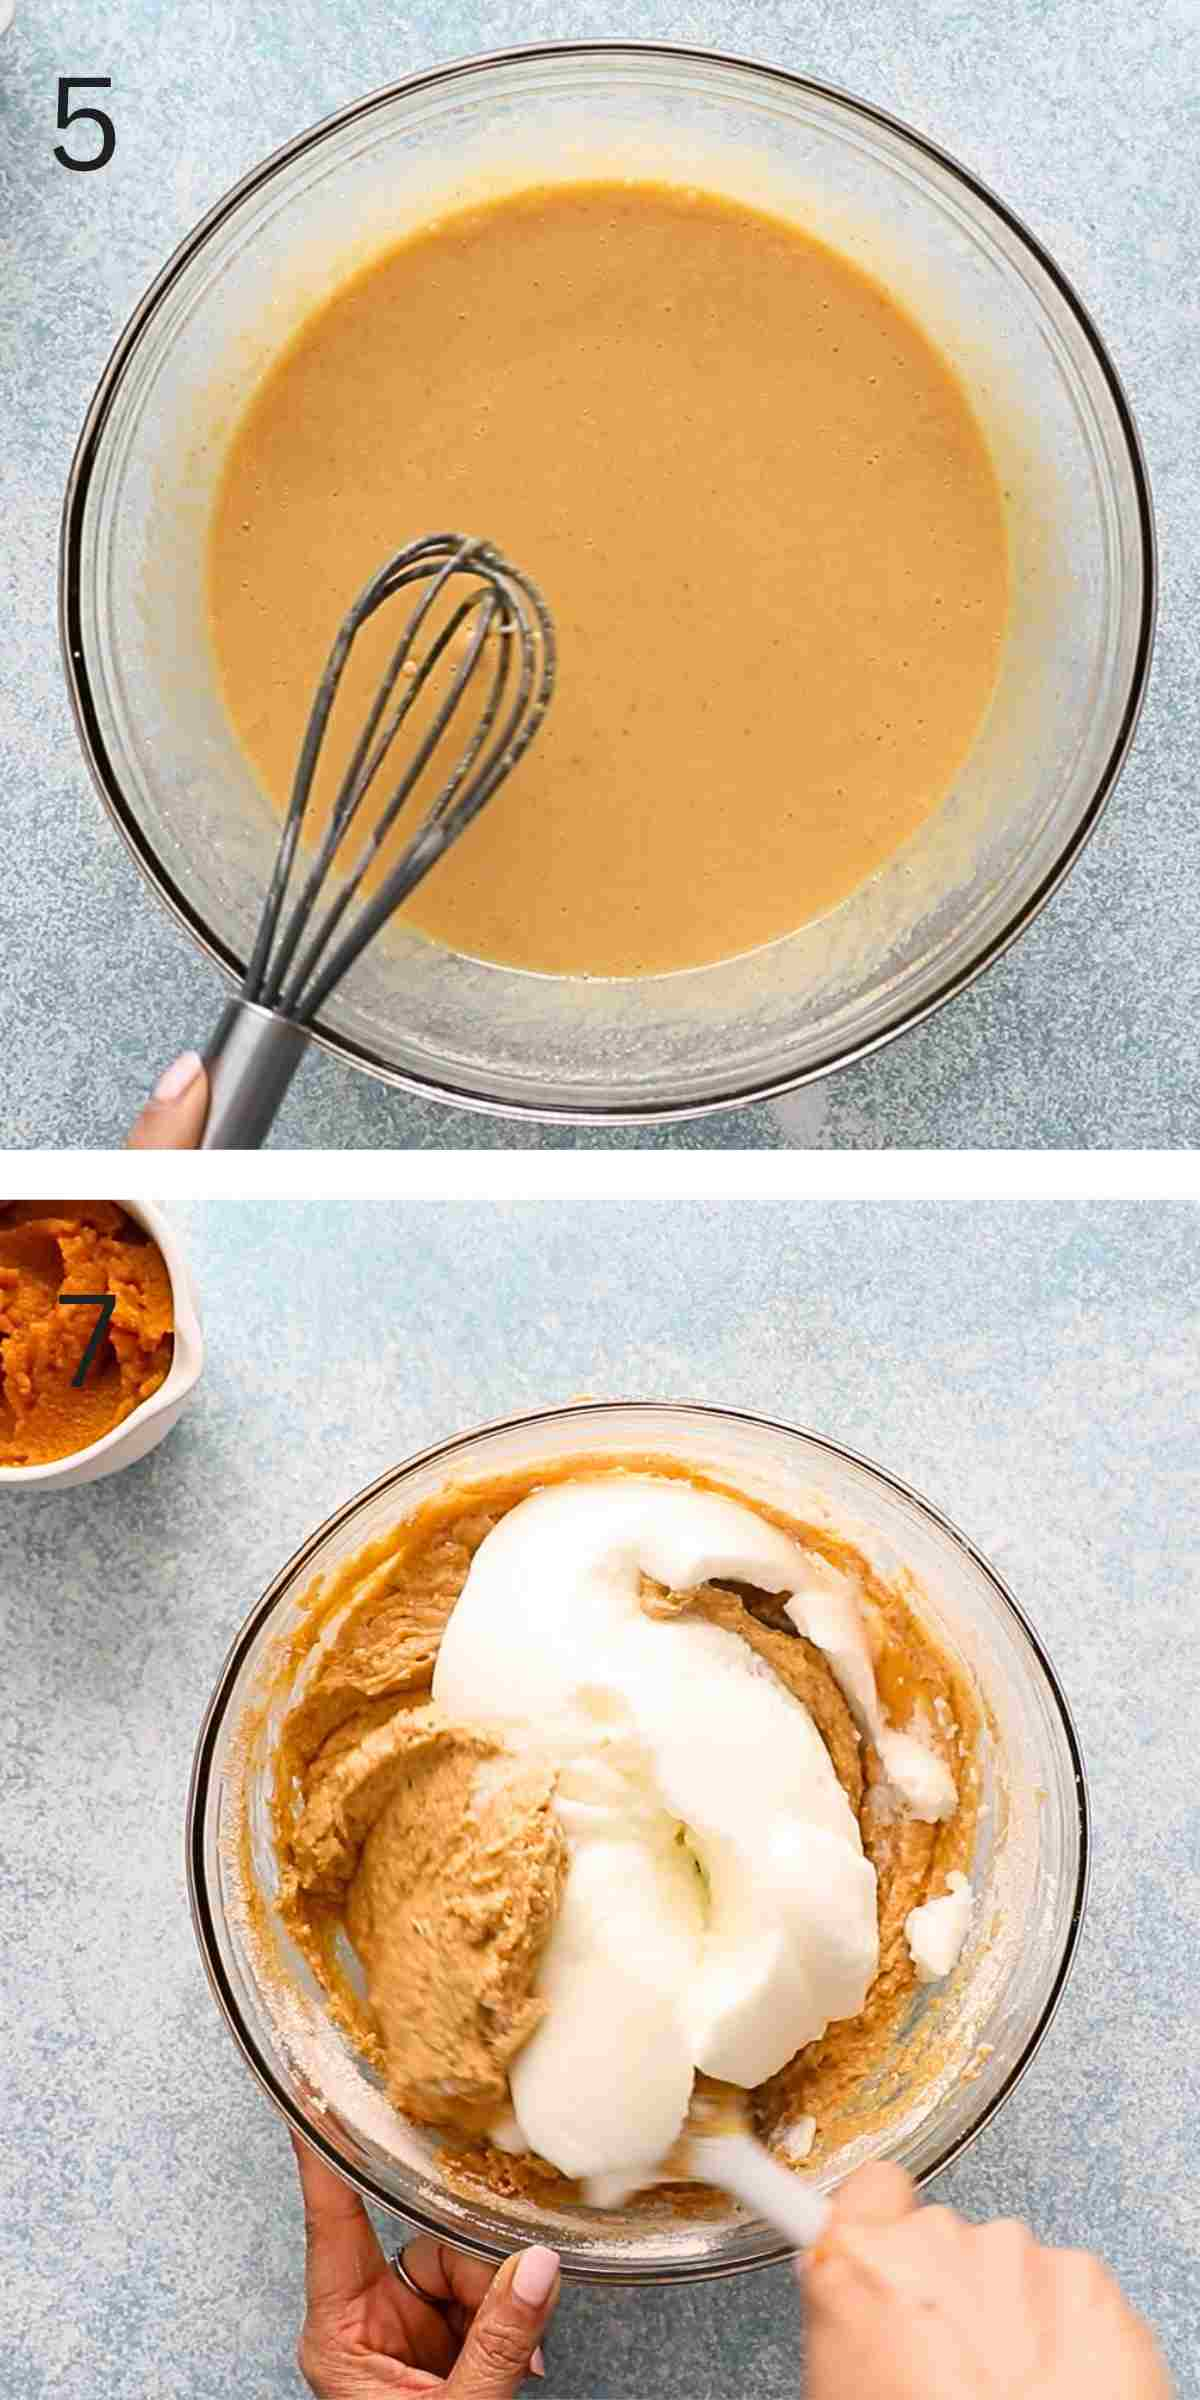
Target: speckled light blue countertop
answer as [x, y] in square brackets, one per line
[1032, 1370]
[1080, 112]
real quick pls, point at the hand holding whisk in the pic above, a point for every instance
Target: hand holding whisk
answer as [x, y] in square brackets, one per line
[494, 698]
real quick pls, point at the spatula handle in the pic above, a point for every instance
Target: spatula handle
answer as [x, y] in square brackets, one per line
[772, 2191]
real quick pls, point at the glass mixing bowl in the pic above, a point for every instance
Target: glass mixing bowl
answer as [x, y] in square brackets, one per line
[1029, 1871]
[142, 672]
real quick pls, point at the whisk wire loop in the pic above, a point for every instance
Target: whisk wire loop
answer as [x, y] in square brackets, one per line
[357, 782]
[503, 610]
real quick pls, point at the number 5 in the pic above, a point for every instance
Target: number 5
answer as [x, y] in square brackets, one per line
[94, 116]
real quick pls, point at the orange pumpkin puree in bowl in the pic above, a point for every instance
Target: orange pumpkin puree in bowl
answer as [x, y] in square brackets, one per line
[49, 1250]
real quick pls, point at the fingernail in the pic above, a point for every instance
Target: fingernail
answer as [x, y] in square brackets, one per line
[537, 2364]
[178, 1079]
[535, 2277]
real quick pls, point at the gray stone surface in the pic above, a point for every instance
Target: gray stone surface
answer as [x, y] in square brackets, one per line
[1082, 112]
[1031, 1369]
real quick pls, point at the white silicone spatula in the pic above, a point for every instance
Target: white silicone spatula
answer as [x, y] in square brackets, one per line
[717, 2147]
[737, 2163]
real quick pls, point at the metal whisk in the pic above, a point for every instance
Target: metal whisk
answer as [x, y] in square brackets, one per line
[499, 692]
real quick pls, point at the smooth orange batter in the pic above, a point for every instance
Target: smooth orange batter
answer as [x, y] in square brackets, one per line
[51, 1247]
[759, 504]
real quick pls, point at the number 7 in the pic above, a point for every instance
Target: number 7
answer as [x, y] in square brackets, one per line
[106, 1303]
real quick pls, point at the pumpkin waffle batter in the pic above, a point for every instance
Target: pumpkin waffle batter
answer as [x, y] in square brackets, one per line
[443, 1863]
[757, 499]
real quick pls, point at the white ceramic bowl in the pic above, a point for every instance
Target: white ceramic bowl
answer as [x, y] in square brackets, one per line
[151, 1422]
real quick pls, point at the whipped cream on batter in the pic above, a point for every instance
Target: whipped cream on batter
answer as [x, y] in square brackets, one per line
[825, 1609]
[718, 1911]
[936, 1931]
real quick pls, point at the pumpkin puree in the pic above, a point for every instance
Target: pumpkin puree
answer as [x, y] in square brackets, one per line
[49, 1249]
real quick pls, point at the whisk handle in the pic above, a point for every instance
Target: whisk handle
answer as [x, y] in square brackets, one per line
[251, 1060]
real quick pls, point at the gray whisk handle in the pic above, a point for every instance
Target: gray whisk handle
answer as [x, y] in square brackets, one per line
[251, 1060]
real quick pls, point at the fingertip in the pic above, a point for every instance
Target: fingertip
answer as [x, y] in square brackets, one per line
[173, 1118]
[176, 1080]
[878, 2194]
[535, 2275]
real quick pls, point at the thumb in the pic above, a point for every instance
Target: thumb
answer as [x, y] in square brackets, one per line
[497, 2354]
[173, 1117]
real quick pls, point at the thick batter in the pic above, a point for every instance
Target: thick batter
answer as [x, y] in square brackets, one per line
[758, 502]
[448, 1886]
[48, 1248]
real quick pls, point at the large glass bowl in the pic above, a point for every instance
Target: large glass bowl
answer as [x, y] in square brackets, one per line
[142, 672]
[1029, 1871]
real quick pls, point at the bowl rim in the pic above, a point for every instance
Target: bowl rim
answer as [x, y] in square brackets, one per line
[902, 1017]
[773, 2252]
[187, 1362]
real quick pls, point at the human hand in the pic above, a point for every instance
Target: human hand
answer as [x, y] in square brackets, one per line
[911, 2303]
[173, 1117]
[366, 2335]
